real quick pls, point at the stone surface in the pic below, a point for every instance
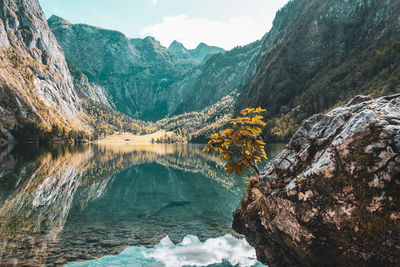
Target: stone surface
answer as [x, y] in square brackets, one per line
[35, 83]
[131, 73]
[332, 198]
[201, 53]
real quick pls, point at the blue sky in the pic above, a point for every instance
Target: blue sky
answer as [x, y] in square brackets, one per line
[225, 23]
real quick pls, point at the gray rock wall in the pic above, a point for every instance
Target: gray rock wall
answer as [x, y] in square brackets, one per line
[35, 82]
[332, 197]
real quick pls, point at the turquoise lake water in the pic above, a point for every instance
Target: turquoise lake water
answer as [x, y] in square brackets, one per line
[155, 205]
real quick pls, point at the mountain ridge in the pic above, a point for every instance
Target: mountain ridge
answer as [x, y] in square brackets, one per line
[150, 81]
[319, 54]
[201, 53]
[37, 92]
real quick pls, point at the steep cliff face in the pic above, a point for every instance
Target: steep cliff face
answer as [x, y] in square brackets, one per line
[319, 53]
[332, 197]
[201, 53]
[134, 75]
[179, 50]
[36, 86]
[221, 74]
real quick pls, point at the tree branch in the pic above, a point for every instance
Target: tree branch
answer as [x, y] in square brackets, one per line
[255, 167]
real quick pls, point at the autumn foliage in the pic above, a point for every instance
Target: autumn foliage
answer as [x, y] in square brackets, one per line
[240, 144]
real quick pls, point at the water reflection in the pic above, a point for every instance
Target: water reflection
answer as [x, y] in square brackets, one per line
[67, 203]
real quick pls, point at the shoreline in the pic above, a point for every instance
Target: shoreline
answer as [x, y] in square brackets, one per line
[131, 139]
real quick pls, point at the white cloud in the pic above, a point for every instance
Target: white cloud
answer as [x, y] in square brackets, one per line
[192, 31]
[154, 2]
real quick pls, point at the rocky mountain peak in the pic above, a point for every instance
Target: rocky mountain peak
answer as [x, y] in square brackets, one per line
[203, 51]
[179, 50]
[141, 77]
[175, 43]
[151, 40]
[58, 21]
[202, 46]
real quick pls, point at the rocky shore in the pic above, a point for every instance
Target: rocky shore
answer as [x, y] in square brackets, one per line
[332, 197]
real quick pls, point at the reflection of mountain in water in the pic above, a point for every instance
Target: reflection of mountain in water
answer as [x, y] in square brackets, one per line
[64, 203]
[36, 198]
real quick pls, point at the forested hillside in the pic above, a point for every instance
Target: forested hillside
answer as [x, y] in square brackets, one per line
[317, 55]
[322, 53]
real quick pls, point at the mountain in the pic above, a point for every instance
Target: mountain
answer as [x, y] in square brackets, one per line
[319, 54]
[200, 54]
[143, 79]
[37, 94]
[220, 75]
[203, 51]
[179, 50]
[207, 84]
[133, 76]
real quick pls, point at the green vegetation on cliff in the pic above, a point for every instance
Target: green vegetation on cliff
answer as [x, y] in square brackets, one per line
[375, 73]
[320, 54]
[106, 121]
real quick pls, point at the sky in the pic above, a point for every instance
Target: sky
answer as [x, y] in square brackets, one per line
[224, 23]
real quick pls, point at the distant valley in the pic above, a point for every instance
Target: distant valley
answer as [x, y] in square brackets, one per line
[75, 82]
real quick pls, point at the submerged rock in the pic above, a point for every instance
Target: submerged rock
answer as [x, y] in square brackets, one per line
[332, 197]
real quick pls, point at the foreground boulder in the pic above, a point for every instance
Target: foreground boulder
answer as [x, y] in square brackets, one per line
[332, 197]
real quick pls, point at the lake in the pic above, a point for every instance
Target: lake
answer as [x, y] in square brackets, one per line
[90, 205]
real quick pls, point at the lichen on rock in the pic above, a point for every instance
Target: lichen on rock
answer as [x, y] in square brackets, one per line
[332, 197]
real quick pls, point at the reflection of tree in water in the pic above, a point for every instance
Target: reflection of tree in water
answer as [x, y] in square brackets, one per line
[39, 185]
[37, 199]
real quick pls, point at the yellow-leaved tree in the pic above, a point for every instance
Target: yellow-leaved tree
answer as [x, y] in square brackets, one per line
[241, 144]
